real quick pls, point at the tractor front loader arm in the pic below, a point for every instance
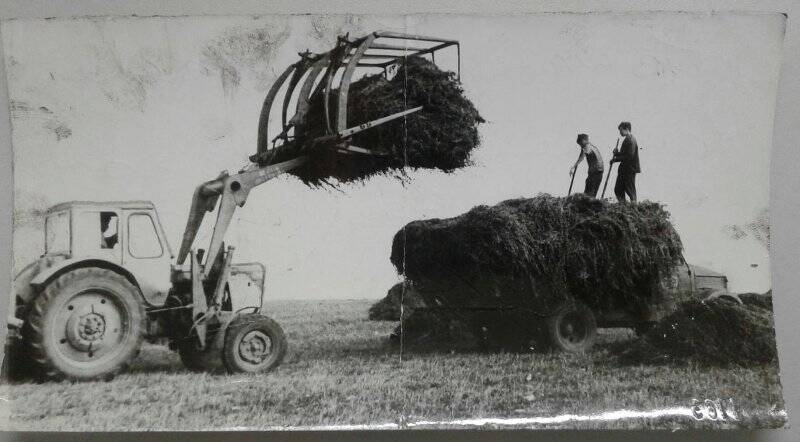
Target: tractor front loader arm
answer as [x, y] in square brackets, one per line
[230, 191]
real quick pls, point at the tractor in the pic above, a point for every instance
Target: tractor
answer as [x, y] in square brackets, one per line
[106, 281]
[108, 278]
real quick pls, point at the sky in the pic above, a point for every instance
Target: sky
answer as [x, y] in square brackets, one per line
[148, 108]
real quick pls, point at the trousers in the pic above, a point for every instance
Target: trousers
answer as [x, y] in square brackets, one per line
[625, 185]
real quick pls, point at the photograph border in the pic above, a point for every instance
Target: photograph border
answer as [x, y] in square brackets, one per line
[785, 158]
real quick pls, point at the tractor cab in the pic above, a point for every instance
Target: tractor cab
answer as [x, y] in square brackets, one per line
[108, 273]
[124, 235]
[128, 238]
[114, 231]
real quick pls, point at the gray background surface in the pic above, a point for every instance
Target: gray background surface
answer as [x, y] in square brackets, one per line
[785, 205]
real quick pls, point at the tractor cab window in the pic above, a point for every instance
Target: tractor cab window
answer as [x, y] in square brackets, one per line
[108, 230]
[143, 239]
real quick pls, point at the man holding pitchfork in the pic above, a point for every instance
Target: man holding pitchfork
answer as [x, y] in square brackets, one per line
[628, 157]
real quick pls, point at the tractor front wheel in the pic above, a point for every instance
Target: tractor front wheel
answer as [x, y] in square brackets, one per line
[86, 324]
[253, 343]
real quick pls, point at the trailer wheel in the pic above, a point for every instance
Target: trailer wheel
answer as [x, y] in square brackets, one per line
[86, 324]
[253, 343]
[572, 328]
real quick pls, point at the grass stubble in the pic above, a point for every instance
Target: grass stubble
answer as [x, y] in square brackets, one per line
[341, 371]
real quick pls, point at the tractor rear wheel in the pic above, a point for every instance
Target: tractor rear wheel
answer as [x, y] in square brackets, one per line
[253, 343]
[86, 324]
[572, 327]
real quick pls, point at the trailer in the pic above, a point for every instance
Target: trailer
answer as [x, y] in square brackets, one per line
[565, 324]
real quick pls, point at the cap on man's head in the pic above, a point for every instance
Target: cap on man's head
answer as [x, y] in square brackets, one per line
[624, 125]
[582, 137]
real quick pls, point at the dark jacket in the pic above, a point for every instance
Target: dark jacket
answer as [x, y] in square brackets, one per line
[629, 155]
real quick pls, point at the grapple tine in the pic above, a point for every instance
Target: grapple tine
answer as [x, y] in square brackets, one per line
[263, 119]
[299, 71]
[304, 99]
[344, 87]
[337, 57]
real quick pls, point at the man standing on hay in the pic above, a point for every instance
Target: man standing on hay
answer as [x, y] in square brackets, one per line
[595, 163]
[628, 157]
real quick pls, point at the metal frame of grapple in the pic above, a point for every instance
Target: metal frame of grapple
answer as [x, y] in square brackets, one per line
[318, 72]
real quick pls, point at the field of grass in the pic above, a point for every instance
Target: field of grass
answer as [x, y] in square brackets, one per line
[340, 370]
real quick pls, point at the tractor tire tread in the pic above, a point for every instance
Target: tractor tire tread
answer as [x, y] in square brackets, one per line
[276, 334]
[32, 330]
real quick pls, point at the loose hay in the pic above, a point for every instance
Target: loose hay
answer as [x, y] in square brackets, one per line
[440, 136]
[428, 328]
[534, 252]
[388, 308]
[714, 332]
[762, 300]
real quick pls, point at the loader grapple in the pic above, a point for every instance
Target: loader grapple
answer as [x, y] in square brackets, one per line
[328, 76]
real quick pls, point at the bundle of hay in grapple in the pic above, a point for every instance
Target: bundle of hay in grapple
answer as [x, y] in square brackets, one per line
[535, 252]
[717, 331]
[440, 136]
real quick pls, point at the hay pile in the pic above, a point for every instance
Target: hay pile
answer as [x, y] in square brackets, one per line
[534, 252]
[440, 136]
[388, 308]
[712, 332]
[761, 300]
